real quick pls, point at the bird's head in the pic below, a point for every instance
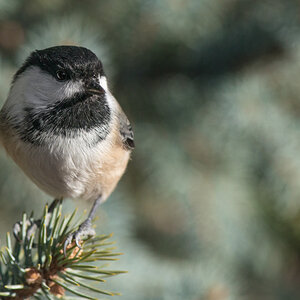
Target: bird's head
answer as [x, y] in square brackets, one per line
[62, 90]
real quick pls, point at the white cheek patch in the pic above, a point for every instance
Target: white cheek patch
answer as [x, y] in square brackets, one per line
[103, 82]
[69, 89]
[35, 88]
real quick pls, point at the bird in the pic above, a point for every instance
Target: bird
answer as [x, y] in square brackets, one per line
[66, 131]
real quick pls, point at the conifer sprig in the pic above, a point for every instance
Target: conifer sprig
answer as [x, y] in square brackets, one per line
[35, 266]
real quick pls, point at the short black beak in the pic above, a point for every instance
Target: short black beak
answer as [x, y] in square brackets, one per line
[94, 87]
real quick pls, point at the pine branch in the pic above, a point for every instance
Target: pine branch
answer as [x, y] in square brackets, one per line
[36, 266]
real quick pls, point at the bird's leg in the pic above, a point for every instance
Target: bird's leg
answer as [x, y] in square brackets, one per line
[85, 228]
[33, 225]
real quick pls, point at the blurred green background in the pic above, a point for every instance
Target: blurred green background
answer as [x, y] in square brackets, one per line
[209, 208]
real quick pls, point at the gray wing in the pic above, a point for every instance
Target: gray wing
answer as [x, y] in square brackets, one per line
[126, 132]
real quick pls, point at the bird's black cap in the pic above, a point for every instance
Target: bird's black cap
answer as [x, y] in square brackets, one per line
[76, 61]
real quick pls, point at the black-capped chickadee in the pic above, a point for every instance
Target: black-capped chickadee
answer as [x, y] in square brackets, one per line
[63, 127]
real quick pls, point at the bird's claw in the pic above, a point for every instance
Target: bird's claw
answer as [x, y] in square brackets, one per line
[31, 226]
[85, 229]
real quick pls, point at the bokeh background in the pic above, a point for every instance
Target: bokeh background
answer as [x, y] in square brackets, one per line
[209, 208]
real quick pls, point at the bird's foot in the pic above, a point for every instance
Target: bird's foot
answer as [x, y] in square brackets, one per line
[31, 227]
[85, 229]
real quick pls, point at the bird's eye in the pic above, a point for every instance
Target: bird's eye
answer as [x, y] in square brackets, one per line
[61, 75]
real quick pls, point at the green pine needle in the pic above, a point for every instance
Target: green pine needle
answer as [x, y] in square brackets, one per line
[37, 267]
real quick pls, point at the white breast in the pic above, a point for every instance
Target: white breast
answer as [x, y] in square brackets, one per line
[60, 169]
